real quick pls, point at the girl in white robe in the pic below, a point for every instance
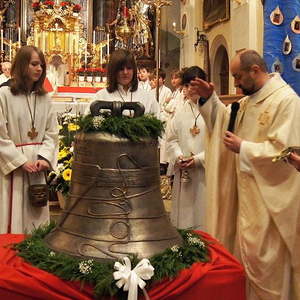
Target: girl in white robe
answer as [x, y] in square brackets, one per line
[123, 84]
[188, 202]
[28, 141]
[185, 148]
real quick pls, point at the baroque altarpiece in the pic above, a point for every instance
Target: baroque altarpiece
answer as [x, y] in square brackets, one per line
[77, 36]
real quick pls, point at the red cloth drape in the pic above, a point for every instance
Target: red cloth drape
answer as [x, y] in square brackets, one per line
[77, 89]
[221, 279]
[47, 85]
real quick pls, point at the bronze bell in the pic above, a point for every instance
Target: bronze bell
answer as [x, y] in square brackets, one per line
[115, 206]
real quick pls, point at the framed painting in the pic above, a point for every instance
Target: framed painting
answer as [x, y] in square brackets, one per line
[215, 12]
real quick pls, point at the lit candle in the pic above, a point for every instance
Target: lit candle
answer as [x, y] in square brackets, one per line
[19, 36]
[174, 25]
[1, 40]
[10, 50]
[107, 45]
[94, 37]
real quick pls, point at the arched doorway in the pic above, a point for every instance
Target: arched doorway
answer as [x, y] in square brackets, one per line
[221, 71]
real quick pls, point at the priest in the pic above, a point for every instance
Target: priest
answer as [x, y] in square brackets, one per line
[253, 203]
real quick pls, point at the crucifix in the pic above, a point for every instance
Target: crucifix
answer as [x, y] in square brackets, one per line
[32, 133]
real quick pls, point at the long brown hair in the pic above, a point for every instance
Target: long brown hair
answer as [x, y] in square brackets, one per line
[19, 72]
[119, 59]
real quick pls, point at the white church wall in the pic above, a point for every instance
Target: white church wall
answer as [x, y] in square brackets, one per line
[243, 30]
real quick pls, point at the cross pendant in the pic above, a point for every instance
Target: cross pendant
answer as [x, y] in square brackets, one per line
[195, 130]
[32, 133]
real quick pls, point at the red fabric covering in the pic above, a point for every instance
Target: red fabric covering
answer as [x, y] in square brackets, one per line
[47, 85]
[221, 279]
[77, 89]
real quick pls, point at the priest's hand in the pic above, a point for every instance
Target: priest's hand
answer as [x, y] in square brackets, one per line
[232, 142]
[29, 167]
[201, 88]
[42, 165]
[294, 160]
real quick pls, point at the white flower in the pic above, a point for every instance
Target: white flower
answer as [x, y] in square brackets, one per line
[196, 241]
[60, 167]
[97, 121]
[52, 253]
[85, 267]
[175, 248]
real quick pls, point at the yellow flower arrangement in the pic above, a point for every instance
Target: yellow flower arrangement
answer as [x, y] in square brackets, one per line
[60, 179]
[67, 173]
[73, 127]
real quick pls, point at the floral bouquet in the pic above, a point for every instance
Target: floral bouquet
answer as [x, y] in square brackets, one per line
[60, 178]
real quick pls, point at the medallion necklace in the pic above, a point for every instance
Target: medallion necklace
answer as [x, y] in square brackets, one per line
[32, 133]
[195, 130]
[124, 99]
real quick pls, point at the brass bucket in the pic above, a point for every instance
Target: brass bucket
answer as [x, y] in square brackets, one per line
[115, 206]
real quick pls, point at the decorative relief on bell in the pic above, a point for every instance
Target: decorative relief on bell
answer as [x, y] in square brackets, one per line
[295, 25]
[287, 46]
[276, 16]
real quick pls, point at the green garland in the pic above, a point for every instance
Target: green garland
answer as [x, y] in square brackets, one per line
[166, 264]
[131, 128]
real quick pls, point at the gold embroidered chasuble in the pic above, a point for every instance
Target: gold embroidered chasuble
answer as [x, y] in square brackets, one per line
[253, 203]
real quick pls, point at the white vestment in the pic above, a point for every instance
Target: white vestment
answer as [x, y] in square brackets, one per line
[253, 204]
[140, 95]
[188, 199]
[15, 122]
[145, 85]
[3, 78]
[163, 93]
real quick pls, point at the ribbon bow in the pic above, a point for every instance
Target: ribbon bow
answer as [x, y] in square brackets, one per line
[131, 279]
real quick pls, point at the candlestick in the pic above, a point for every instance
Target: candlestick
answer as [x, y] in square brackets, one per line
[1, 40]
[85, 56]
[101, 59]
[107, 45]
[19, 36]
[10, 50]
[94, 37]
[70, 43]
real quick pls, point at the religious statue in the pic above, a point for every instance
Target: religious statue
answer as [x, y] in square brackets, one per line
[141, 24]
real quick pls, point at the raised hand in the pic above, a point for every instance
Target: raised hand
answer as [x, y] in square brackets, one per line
[201, 88]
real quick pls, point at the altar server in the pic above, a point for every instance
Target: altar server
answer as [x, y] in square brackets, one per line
[123, 83]
[28, 139]
[185, 148]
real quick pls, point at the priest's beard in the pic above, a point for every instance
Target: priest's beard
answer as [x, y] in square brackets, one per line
[249, 90]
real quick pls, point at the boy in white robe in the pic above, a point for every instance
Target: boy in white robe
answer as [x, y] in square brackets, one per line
[143, 76]
[164, 93]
